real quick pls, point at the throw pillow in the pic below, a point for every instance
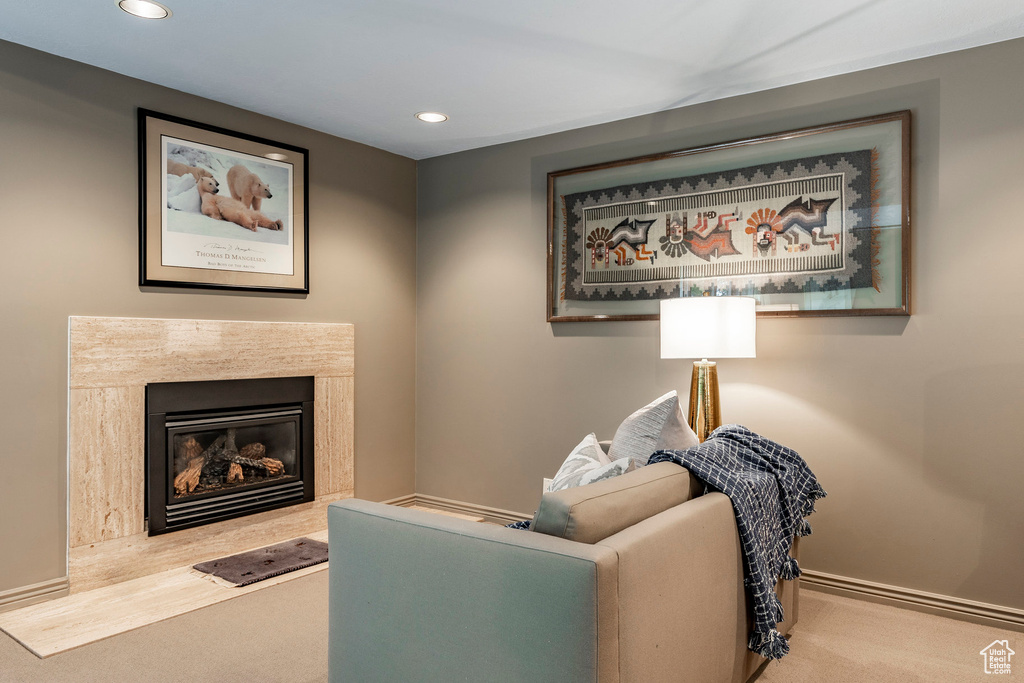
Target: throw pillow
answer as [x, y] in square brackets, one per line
[586, 464]
[658, 425]
[612, 469]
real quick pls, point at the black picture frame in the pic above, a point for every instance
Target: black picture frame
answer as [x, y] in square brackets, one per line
[232, 241]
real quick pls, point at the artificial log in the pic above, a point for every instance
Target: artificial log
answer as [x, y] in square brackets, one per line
[188, 450]
[229, 444]
[215, 447]
[253, 451]
[188, 479]
[272, 466]
[235, 473]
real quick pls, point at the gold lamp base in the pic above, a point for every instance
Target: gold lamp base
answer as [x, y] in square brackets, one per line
[705, 409]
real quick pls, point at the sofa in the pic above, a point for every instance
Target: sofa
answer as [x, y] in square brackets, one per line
[637, 579]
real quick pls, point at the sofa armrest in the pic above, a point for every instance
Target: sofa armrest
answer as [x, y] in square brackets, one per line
[424, 597]
[682, 602]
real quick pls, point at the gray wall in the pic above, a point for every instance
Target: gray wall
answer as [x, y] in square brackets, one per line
[69, 189]
[914, 426]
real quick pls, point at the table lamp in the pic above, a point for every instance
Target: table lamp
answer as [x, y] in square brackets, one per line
[702, 328]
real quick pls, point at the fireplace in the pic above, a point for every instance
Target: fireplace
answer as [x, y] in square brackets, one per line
[222, 449]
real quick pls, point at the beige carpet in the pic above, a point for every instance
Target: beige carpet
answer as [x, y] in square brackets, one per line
[280, 634]
[275, 634]
[841, 640]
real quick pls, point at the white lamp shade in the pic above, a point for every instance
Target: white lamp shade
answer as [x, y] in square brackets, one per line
[708, 327]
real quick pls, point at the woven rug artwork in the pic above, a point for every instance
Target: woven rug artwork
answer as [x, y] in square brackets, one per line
[264, 563]
[802, 225]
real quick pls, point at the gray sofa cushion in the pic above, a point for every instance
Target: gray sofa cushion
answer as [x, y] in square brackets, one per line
[590, 513]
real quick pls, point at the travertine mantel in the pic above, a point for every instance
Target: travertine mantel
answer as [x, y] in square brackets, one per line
[111, 361]
[115, 352]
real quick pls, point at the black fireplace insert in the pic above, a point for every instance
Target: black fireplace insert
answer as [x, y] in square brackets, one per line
[222, 449]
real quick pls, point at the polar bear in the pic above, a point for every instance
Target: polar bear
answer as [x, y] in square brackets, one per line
[208, 185]
[229, 209]
[180, 169]
[246, 187]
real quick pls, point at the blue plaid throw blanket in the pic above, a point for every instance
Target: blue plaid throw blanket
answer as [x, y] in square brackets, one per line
[772, 489]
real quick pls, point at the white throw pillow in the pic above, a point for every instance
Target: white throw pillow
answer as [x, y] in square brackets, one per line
[586, 464]
[658, 425]
[612, 469]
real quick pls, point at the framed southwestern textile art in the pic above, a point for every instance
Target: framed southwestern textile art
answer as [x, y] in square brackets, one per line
[810, 222]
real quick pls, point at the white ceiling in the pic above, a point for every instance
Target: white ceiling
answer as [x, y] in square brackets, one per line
[502, 71]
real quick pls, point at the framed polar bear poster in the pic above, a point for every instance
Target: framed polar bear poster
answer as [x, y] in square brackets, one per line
[221, 209]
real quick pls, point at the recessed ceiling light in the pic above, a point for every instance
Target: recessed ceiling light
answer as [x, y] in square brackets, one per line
[431, 116]
[147, 9]
[276, 156]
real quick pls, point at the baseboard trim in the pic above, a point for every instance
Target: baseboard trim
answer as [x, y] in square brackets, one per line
[496, 515]
[921, 601]
[402, 501]
[24, 596]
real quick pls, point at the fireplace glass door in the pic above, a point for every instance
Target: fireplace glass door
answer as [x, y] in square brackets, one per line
[215, 455]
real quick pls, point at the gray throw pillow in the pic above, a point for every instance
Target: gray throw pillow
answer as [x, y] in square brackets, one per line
[586, 464]
[658, 425]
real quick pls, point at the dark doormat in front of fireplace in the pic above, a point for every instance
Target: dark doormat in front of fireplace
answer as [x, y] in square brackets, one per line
[264, 563]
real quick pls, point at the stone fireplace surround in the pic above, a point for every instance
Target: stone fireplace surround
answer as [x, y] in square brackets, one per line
[110, 362]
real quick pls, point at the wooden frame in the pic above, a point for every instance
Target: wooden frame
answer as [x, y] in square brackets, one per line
[856, 263]
[219, 209]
